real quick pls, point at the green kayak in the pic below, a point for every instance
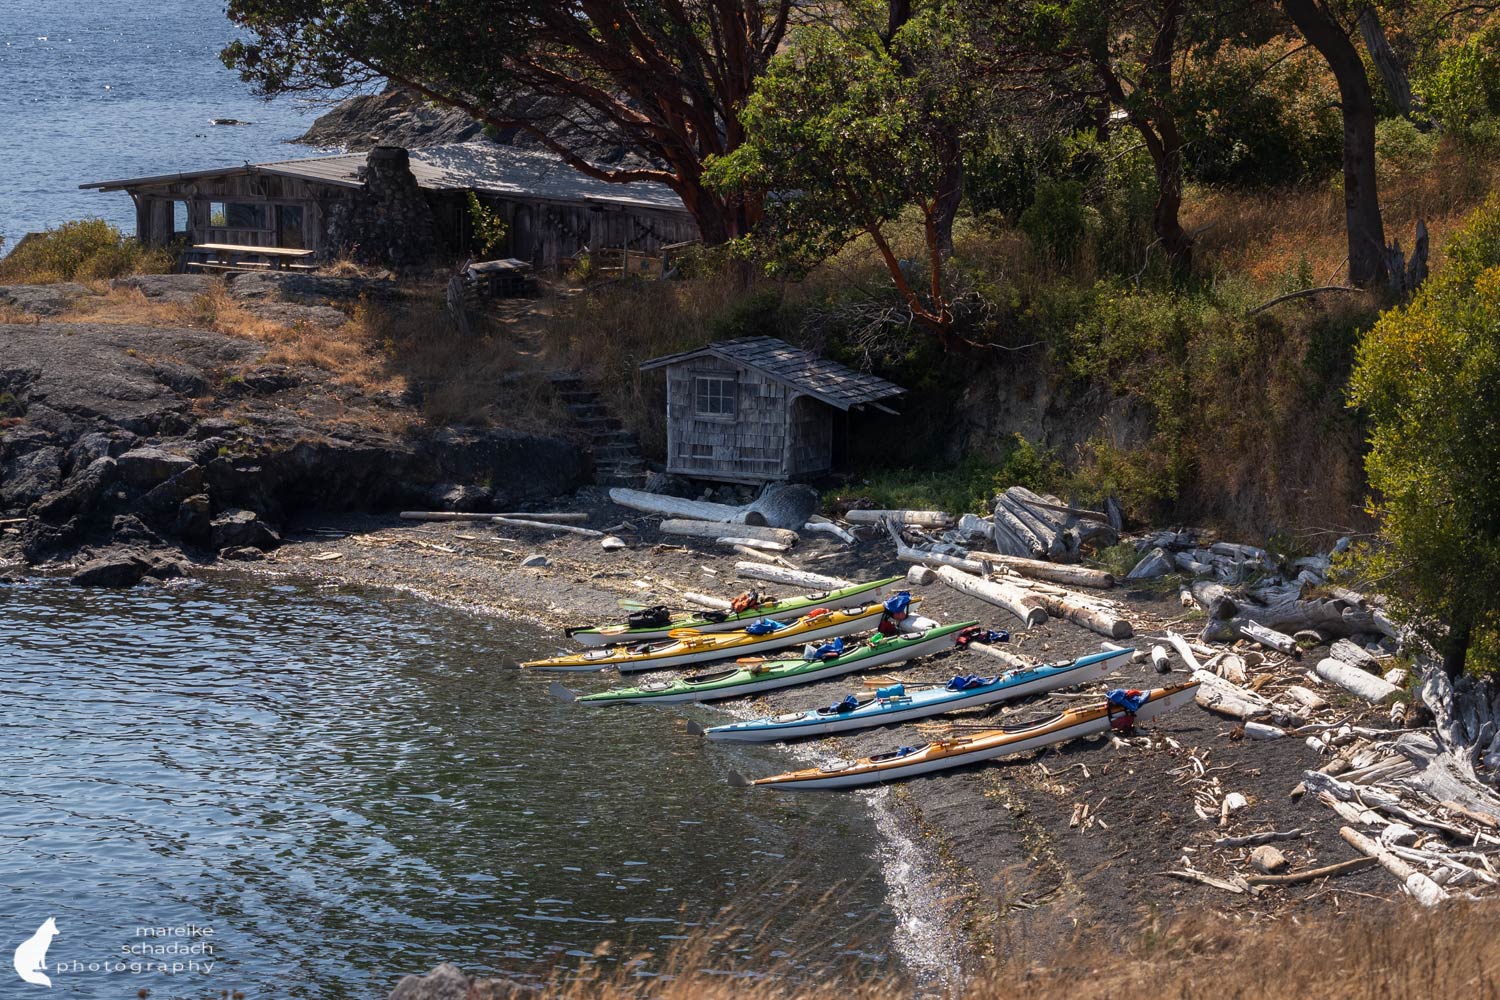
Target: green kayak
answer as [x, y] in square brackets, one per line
[845, 597]
[735, 680]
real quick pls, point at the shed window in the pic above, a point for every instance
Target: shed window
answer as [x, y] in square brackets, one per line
[238, 215]
[713, 396]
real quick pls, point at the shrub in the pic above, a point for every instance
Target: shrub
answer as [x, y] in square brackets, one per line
[1463, 92]
[1426, 376]
[1402, 150]
[1057, 220]
[84, 249]
[489, 228]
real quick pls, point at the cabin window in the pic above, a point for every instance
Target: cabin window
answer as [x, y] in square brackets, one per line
[289, 227]
[237, 215]
[713, 396]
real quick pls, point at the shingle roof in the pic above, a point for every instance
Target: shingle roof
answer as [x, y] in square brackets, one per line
[804, 371]
[480, 166]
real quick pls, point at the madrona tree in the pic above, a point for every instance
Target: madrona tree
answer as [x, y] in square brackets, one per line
[667, 78]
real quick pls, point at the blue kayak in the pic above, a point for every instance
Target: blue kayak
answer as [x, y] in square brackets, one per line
[896, 704]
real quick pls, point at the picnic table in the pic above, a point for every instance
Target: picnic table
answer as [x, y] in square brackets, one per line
[233, 257]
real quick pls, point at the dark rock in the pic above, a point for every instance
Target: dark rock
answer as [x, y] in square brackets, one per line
[296, 314]
[11, 578]
[165, 497]
[123, 569]
[40, 539]
[459, 497]
[216, 427]
[80, 494]
[668, 485]
[181, 379]
[194, 522]
[43, 300]
[131, 530]
[237, 528]
[272, 378]
[146, 467]
[307, 289]
[160, 567]
[94, 446]
[182, 289]
[29, 477]
[243, 553]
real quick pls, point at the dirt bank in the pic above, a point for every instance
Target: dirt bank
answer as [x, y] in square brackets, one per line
[1018, 851]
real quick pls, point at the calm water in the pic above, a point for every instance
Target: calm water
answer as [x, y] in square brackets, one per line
[346, 786]
[92, 92]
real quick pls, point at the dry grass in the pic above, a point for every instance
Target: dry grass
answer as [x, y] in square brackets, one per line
[1381, 951]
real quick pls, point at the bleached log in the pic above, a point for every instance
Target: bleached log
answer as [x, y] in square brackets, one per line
[1255, 839]
[1048, 535]
[1078, 576]
[1261, 731]
[915, 518]
[1094, 619]
[656, 503]
[826, 527]
[1007, 525]
[789, 577]
[1033, 500]
[732, 541]
[1218, 695]
[922, 557]
[1011, 660]
[1218, 630]
[1188, 564]
[1355, 680]
[1423, 889]
[1352, 865]
[755, 554]
[516, 522]
[1160, 660]
[445, 515]
[705, 601]
[1347, 652]
[1019, 603]
[1307, 699]
[1184, 651]
[721, 529]
[921, 576]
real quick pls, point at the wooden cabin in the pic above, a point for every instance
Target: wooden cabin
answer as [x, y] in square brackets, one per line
[757, 410]
[552, 212]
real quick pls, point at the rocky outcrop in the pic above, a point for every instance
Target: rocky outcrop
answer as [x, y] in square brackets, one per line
[448, 982]
[190, 439]
[43, 300]
[125, 568]
[181, 289]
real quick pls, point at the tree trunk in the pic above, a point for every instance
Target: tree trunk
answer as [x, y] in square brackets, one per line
[1165, 220]
[1366, 232]
[1456, 649]
[950, 194]
[1387, 63]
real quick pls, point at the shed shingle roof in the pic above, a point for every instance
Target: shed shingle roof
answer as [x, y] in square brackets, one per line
[479, 166]
[804, 371]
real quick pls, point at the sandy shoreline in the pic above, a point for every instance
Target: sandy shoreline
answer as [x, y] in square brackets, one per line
[1010, 860]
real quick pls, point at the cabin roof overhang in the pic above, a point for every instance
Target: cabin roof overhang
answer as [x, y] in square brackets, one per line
[802, 371]
[484, 167]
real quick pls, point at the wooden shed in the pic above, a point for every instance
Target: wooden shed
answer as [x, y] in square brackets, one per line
[757, 409]
[551, 211]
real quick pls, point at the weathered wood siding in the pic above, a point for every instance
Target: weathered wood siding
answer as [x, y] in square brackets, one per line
[775, 434]
[154, 210]
[810, 438]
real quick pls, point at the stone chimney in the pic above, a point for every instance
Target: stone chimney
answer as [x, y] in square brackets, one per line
[388, 221]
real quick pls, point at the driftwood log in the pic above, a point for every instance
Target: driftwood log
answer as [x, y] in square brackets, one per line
[1354, 680]
[1011, 660]
[1018, 602]
[789, 577]
[1037, 569]
[1421, 888]
[656, 503]
[516, 522]
[915, 518]
[722, 529]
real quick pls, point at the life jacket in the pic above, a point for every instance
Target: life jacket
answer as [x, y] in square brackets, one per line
[649, 617]
[978, 633]
[1127, 703]
[744, 602]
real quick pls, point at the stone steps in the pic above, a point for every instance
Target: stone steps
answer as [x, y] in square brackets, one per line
[616, 452]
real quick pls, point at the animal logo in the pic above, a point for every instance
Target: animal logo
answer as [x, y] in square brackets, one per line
[31, 954]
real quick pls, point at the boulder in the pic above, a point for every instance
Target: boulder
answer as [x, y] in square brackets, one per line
[179, 289]
[29, 477]
[164, 498]
[464, 498]
[243, 553]
[117, 569]
[78, 495]
[446, 982]
[296, 314]
[271, 378]
[1156, 563]
[147, 467]
[43, 300]
[87, 448]
[236, 528]
[194, 521]
[536, 560]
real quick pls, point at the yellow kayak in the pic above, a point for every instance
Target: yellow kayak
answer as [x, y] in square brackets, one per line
[687, 646]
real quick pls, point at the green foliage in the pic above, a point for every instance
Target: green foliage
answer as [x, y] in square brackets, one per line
[489, 228]
[84, 249]
[1057, 221]
[1254, 118]
[1401, 149]
[1463, 91]
[968, 486]
[1426, 375]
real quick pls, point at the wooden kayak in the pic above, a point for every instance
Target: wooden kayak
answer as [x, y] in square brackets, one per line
[734, 680]
[689, 646]
[907, 704]
[845, 597]
[944, 755]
